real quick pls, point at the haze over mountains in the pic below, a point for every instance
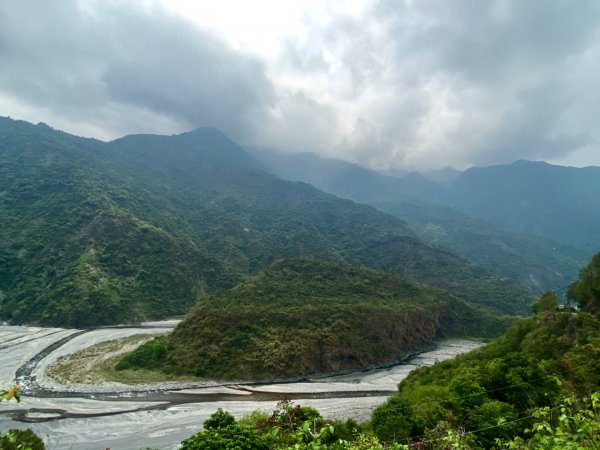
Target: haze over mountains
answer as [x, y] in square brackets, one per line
[531, 221]
[141, 227]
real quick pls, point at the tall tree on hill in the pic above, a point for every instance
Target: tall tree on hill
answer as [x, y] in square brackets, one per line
[586, 290]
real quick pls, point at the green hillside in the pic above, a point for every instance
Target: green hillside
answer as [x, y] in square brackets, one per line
[494, 391]
[560, 203]
[95, 233]
[303, 317]
[538, 263]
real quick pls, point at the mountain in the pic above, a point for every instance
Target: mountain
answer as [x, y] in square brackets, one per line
[301, 317]
[348, 180]
[539, 263]
[139, 228]
[556, 202]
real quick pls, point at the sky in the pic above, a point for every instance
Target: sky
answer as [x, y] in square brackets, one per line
[391, 85]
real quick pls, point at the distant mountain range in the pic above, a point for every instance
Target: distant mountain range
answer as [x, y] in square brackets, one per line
[140, 228]
[560, 203]
[530, 221]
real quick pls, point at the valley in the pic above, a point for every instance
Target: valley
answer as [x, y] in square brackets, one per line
[82, 416]
[301, 225]
[284, 292]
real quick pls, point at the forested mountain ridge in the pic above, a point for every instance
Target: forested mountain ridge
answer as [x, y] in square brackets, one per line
[349, 180]
[447, 214]
[95, 233]
[557, 202]
[303, 317]
[538, 263]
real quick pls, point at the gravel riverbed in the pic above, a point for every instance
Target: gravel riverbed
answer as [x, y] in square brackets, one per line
[160, 415]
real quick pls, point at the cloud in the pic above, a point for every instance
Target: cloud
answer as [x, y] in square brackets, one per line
[121, 64]
[504, 79]
[389, 84]
[460, 82]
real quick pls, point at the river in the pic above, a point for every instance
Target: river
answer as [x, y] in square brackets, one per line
[117, 416]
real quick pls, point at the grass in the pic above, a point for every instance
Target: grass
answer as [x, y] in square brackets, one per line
[96, 364]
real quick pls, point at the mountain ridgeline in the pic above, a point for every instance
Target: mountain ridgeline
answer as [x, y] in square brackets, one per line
[302, 317]
[560, 203]
[96, 233]
[532, 222]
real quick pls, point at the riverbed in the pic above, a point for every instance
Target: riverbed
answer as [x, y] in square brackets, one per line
[118, 416]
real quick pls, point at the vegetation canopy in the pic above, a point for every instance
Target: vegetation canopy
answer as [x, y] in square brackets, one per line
[304, 317]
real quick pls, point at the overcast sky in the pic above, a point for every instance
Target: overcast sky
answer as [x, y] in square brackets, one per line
[388, 84]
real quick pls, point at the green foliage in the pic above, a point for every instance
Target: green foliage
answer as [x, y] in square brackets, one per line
[393, 421]
[538, 263]
[232, 437]
[574, 425]
[219, 419]
[288, 427]
[146, 356]
[300, 317]
[95, 233]
[492, 391]
[547, 303]
[16, 439]
[586, 290]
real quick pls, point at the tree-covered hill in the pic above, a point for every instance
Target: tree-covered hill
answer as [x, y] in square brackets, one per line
[496, 392]
[429, 209]
[556, 202]
[94, 233]
[538, 263]
[301, 317]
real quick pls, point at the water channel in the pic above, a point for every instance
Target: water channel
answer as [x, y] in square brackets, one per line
[117, 416]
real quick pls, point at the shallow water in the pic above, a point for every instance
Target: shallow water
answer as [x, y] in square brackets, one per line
[118, 416]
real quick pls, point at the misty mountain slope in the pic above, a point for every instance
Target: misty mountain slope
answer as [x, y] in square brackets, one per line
[139, 228]
[314, 225]
[348, 180]
[539, 263]
[535, 262]
[561, 203]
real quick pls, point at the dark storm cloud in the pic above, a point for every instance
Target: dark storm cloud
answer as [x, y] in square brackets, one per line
[121, 64]
[465, 82]
[513, 69]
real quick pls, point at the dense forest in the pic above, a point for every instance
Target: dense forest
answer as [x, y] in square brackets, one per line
[301, 317]
[94, 233]
[535, 387]
[277, 278]
[467, 214]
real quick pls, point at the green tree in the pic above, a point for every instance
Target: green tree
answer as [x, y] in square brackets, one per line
[15, 439]
[219, 419]
[232, 437]
[392, 421]
[547, 303]
[586, 290]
